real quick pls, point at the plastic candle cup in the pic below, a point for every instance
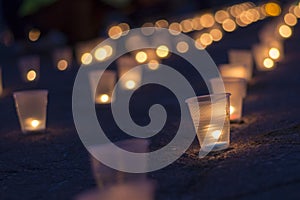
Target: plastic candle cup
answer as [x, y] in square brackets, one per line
[234, 70]
[104, 88]
[243, 57]
[130, 77]
[211, 136]
[237, 88]
[30, 68]
[106, 176]
[32, 110]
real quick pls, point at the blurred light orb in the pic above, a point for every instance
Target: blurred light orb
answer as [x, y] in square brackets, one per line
[162, 51]
[285, 31]
[104, 98]
[268, 63]
[62, 65]
[175, 28]
[296, 11]
[31, 75]
[115, 32]
[221, 16]
[216, 34]
[206, 39]
[274, 53]
[162, 23]
[207, 20]
[86, 58]
[182, 47]
[125, 28]
[34, 123]
[199, 45]
[100, 54]
[34, 34]
[108, 49]
[187, 25]
[272, 9]
[231, 110]
[153, 64]
[130, 84]
[148, 28]
[229, 25]
[141, 57]
[290, 19]
[196, 24]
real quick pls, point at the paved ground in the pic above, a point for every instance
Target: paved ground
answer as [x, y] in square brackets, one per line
[263, 160]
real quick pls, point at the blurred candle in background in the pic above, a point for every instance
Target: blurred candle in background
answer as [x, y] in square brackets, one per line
[130, 77]
[237, 88]
[30, 68]
[1, 86]
[31, 107]
[234, 70]
[103, 83]
[62, 58]
[243, 57]
[262, 59]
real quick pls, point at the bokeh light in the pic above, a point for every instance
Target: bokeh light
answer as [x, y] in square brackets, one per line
[115, 32]
[274, 53]
[162, 23]
[285, 31]
[229, 25]
[153, 64]
[86, 58]
[207, 20]
[130, 84]
[104, 98]
[268, 63]
[125, 28]
[100, 54]
[162, 51]
[187, 25]
[147, 28]
[290, 19]
[31, 75]
[141, 57]
[182, 47]
[175, 28]
[206, 39]
[272, 9]
[34, 34]
[62, 65]
[221, 16]
[216, 34]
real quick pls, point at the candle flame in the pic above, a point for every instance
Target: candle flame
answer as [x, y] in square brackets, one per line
[232, 109]
[34, 123]
[104, 98]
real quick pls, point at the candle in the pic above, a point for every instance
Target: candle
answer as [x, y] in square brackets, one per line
[212, 137]
[130, 77]
[1, 87]
[262, 58]
[84, 49]
[243, 57]
[234, 70]
[31, 109]
[30, 68]
[237, 88]
[104, 88]
[62, 58]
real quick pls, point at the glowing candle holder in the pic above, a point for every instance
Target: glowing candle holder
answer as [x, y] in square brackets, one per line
[204, 108]
[62, 58]
[130, 77]
[262, 59]
[237, 88]
[234, 70]
[32, 109]
[106, 176]
[104, 88]
[243, 57]
[1, 87]
[30, 68]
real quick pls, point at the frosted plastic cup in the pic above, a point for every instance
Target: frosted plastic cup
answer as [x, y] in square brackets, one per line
[106, 176]
[244, 57]
[237, 88]
[211, 137]
[32, 110]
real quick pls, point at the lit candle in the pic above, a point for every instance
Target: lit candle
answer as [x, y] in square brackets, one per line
[30, 68]
[262, 58]
[104, 88]
[83, 51]
[243, 57]
[31, 108]
[130, 77]
[234, 70]
[212, 137]
[237, 88]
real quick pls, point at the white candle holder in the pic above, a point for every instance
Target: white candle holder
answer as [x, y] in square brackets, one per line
[104, 88]
[130, 77]
[1, 86]
[237, 88]
[234, 70]
[211, 137]
[243, 57]
[106, 176]
[30, 68]
[32, 110]
[262, 59]
[62, 58]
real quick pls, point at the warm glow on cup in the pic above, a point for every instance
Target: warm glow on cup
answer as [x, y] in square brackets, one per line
[104, 88]
[262, 58]
[32, 109]
[1, 86]
[130, 77]
[234, 70]
[204, 108]
[30, 68]
[243, 57]
[106, 176]
[237, 88]
[83, 51]
[62, 58]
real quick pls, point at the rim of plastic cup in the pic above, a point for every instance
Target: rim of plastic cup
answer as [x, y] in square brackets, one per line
[30, 92]
[204, 98]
